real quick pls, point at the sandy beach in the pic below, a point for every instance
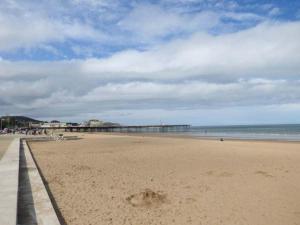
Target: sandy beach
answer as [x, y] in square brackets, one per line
[119, 179]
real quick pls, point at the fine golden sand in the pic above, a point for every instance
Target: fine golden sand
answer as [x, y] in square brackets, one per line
[119, 179]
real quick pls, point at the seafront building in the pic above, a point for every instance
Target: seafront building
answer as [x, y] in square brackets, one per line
[58, 124]
[95, 123]
[54, 123]
[15, 122]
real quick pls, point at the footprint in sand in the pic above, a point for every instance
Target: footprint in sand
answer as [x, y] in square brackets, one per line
[147, 198]
[190, 200]
[204, 188]
[222, 174]
[225, 174]
[264, 173]
[210, 173]
[81, 167]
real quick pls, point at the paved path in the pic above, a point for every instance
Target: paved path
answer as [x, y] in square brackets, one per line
[9, 177]
[4, 143]
[35, 206]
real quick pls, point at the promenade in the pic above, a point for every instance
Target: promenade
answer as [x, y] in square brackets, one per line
[9, 179]
[4, 143]
[23, 196]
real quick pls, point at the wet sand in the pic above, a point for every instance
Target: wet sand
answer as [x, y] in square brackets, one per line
[4, 143]
[115, 179]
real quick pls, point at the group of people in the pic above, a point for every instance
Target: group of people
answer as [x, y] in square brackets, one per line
[26, 131]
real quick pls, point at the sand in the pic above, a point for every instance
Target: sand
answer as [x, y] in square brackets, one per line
[4, 143]
[115, 179]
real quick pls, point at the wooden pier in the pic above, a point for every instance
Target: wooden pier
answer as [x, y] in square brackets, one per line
[127, 129]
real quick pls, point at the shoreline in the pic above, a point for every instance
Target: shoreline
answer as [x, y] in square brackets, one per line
[185, 136]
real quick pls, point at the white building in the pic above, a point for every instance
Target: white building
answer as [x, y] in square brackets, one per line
[54, 124]
[94, 123]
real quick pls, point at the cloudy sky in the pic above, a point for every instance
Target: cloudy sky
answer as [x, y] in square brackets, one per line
[202, 62]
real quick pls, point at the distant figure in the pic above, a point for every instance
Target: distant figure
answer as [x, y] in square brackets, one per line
[221, 139]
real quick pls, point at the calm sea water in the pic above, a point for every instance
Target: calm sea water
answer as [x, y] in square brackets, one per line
[261, 132]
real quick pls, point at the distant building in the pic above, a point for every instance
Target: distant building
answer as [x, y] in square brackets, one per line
[72, 124]
[110, 124]
[84, 124]
[45, 125]
[35, 124]
[54, 123]
[94, 123]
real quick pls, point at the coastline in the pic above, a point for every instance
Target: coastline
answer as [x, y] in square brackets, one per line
[130, 179]
[187, 136]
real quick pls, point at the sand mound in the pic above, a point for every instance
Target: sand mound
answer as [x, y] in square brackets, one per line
[146, 198]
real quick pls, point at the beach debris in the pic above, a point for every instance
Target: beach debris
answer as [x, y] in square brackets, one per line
[147, 198]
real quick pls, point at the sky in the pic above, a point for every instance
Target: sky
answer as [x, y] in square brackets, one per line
[199, 62]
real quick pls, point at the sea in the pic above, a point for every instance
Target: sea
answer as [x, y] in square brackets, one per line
[281, 132]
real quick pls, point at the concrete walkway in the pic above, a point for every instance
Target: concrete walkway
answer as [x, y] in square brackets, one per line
[23, 197]
[4, 143]
[9, 178]
[35, 206]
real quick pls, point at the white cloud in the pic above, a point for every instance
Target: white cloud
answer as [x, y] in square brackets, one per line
[246, 92]
[48, 98]
[28, 25]
[150, 21]
[244, 16]
[258, 66]
[257, 52]
[274, 11]
[260, 51]
[28, 31]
